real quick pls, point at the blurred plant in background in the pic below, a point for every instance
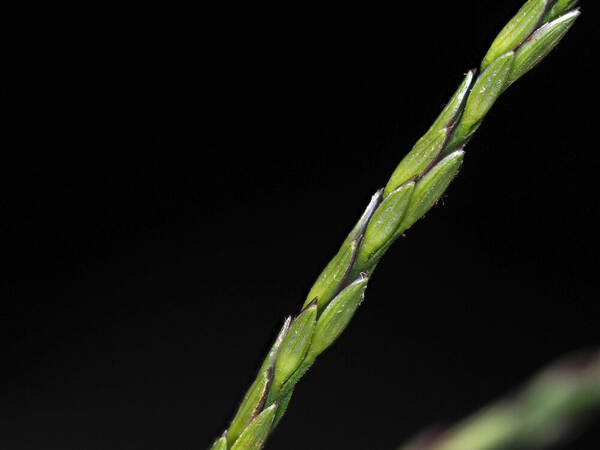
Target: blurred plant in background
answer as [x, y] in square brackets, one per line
[549, 408]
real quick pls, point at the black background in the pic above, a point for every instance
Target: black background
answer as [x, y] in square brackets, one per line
[176, 181]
